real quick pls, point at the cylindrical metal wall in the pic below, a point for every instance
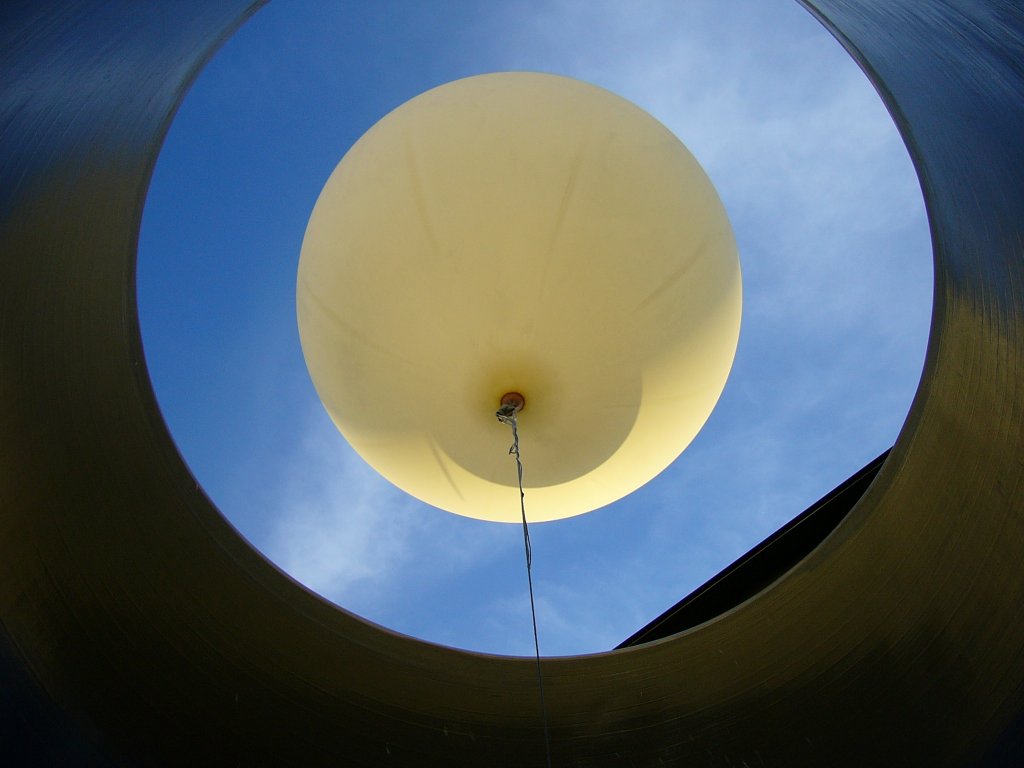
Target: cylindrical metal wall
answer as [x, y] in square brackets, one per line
[139, 628]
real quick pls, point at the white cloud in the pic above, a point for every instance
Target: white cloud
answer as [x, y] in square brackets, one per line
[339, 525]
[346, 533]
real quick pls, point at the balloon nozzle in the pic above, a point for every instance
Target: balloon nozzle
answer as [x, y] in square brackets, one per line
[510, 404]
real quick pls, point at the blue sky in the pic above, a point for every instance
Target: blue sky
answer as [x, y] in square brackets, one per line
[833, 243]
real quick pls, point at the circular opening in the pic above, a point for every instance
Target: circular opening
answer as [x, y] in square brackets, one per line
[836, 258]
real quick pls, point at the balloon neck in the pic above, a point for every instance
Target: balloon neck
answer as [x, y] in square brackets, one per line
[511, 403]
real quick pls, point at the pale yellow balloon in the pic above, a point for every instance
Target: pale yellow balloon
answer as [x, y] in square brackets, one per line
[519, 232]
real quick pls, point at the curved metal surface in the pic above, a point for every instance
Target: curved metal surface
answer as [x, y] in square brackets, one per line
[157, 635]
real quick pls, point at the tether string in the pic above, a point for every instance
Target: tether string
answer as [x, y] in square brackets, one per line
[507, 415]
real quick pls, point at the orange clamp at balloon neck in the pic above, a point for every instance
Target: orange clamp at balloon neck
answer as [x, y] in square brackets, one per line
[511, 403]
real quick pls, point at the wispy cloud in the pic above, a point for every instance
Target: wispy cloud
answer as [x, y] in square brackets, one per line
[340, 526]
[348, 534]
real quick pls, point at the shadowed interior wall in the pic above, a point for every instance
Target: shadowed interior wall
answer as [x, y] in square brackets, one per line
[139, 628]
